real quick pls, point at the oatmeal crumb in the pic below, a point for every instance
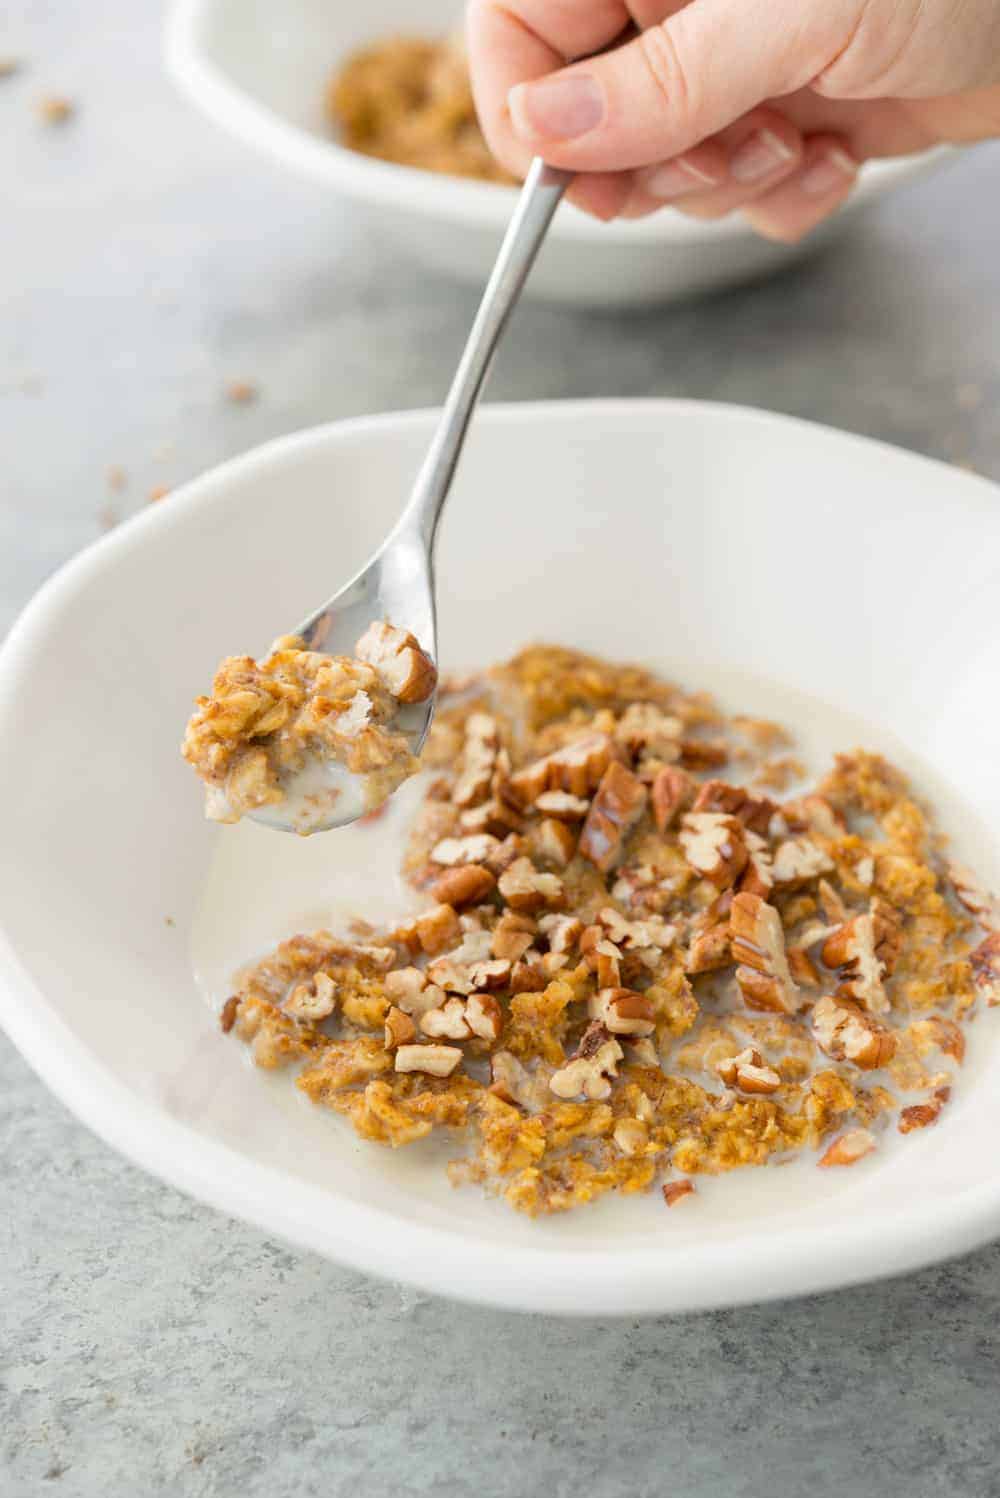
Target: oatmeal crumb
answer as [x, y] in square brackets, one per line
[56, 110]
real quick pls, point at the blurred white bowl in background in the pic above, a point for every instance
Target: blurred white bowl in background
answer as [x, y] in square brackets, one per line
[260, 69]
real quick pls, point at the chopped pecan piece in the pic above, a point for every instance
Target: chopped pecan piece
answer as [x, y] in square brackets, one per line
[758, 945]
[851, 948]
[591, 1070]
[312, 1001]
[815, 814]
[799, 859]
[848, 1148]
[513, 935]
[493, 816]
[512, 1081]
[985, 962]
[631, 1135]
[623, 1012]
[831, 904]
[672, 791]
[436, 929]
[563, 806]
[577, 767]
[601, 956]
[644, 729]
[227, 1017]
[846, 1032]
[561, 931]
[434, 1060]
[708, 950]
[454, 851]
[446, 1023]
[399, 1028]
[676, 1191]
[758, 876]
[554, 842]
[525, 889]
[922, 1115]
[505, 853]
[704, 754]
[755, 812]
[407, 671]
[747, 1072]
[714, 846]
[479, 755]
[484, 1016]
[409, 990]
[468, 977]
[614, 811]
[651, 932]
[467, 885]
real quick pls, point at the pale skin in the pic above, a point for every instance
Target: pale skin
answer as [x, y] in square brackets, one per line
[764, 107]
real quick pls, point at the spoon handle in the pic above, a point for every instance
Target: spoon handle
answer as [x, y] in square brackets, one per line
[539, 199]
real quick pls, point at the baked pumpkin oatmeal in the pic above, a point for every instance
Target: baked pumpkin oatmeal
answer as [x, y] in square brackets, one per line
[629, 965]
[409, 100]
[265, 721]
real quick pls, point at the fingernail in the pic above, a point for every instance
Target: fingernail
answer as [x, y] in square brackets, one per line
[760, 156]
[828, 173]
[676, 178]
[556, 108]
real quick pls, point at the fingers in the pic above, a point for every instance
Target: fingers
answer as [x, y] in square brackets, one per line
[724, 174]
[678, 82]
[822, 182]
[511, 41]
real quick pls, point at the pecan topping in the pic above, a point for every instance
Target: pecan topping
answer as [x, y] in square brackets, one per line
[851, 948]
[590, 1072]
[672, 791]
[755, 812]
[676, 1191]
[758, 944]
[434, 1060]
[563, 806]
[922, 1115]
[467, 885]
[408, 672]
[815, 814]
[846, 1032]
[399, 1028]
[798, 860]
[524, 888]
[747, 1072]
[614, 811]
[849, 1148]
[985, 962]
[513, 935]
[714, 846]
[454, 851]
[577, 768]
[622, 1012]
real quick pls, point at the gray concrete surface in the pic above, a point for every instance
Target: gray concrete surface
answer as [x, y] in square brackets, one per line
[149, 1346]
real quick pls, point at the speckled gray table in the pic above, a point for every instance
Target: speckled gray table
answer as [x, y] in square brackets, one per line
[152, 1347]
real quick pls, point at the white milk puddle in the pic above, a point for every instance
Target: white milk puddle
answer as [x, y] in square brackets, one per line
[263, 886]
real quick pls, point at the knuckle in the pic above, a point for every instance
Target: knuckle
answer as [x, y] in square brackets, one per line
[665, 66]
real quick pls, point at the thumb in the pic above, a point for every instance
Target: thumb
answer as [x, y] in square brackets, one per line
[676, 83]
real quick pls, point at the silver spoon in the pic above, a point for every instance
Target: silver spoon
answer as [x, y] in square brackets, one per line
[398, 583]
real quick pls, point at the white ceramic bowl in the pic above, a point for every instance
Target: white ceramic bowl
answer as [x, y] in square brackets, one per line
[260, 69]
[717, 539]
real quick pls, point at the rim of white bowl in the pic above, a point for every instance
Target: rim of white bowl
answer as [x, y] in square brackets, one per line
[483, 204]
[542, 1278]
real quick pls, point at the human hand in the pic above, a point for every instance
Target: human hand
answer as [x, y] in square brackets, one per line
[712, 106]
